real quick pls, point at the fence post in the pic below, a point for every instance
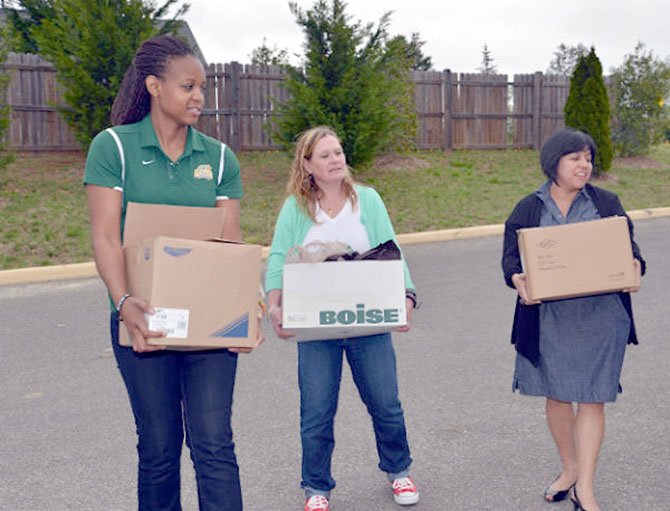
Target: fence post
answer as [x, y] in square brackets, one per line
[219, 85]
[235, 106]
[447, 104]
[537, 110]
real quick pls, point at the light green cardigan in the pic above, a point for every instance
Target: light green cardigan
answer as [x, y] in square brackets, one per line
[293, 224]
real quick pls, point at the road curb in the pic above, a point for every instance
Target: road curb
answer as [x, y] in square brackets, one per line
[88, 270]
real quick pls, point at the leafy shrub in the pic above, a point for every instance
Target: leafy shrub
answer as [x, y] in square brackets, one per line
[349, 81]
[640, 117]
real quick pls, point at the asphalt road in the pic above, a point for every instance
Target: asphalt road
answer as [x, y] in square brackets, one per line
[67, 437]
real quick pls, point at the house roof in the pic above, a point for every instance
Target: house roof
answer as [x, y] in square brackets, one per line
[187, 35]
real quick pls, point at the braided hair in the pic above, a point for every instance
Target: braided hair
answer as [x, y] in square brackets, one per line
[132, 102]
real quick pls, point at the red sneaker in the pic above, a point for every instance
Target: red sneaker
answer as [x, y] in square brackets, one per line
[317, 503]
[405, 492]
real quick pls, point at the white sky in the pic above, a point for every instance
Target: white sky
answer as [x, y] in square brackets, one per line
[521, 35]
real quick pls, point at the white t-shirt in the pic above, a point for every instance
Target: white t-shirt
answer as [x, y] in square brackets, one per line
[346, 227]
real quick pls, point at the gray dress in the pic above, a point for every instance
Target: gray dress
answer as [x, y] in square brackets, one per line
[582, 340]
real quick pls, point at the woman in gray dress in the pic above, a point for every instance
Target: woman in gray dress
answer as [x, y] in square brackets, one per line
[569, 351]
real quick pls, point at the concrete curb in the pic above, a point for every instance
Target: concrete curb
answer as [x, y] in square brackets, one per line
[88, 270]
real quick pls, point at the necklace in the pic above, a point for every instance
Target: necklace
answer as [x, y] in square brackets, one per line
[334, 208]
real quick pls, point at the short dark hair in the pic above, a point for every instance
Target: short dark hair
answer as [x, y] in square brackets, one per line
[132, 102]
[564, 141]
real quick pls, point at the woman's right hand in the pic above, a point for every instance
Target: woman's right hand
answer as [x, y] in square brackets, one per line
[519, 281]
[275, 317]
[132, 313]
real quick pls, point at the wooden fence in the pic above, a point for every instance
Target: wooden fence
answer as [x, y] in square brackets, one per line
[33, 96]
[475, 111]
[239, 103]
[455, 111]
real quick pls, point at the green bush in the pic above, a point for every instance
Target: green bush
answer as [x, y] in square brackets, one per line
[91, 44]
[349, 81]
[640, 117]
[587, 108]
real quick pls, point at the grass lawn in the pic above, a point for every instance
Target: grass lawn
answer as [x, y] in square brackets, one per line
[44, 218]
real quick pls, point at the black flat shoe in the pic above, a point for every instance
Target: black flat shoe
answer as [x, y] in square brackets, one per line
[552, 496]
[575, 501]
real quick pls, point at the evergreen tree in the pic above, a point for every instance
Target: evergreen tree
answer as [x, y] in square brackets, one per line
[264, 55]
[91, 44]
[565, 59]
[412, 50]
[348, 82]
[21, 23]
[587, 108]
[487, 67]
[5, 155]
[399, 63]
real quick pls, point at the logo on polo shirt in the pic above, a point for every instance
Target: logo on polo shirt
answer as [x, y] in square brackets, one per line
[203, 172]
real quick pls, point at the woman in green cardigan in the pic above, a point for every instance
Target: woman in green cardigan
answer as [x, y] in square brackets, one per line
[324, 204]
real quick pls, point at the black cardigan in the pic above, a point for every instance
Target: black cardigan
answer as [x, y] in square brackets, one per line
[527, 213]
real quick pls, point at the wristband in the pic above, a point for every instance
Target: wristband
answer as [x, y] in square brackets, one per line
[121, 301]
[412, 296]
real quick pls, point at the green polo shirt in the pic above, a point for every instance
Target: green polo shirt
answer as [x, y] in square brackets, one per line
[199, 177]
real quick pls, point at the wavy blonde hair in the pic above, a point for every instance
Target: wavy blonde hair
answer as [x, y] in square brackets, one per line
[301, 184]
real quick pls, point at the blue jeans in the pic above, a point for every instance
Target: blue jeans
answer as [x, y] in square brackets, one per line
[373, 367]
[171, 392]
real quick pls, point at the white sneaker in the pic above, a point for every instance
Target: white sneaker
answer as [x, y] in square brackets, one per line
[405, 492]
[317, 503]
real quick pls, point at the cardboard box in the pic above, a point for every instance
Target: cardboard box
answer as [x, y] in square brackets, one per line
[578, 259]
[340, 299]
[146, 220]
[204, 289]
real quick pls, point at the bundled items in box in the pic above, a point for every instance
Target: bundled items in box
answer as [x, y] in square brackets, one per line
[318, 251]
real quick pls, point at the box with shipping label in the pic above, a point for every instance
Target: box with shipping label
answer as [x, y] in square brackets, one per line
[578, 259]
[204, 291]
[341, 299]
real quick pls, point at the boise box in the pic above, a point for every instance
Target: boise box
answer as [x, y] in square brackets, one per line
[204, 289]
[340, 299]
[578, 259]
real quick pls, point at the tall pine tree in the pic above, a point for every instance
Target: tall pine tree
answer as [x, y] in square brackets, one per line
[587, 108]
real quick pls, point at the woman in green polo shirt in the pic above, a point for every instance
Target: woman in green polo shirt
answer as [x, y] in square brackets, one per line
[154, 155]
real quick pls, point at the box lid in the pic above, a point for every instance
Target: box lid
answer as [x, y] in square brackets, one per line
[194, 223]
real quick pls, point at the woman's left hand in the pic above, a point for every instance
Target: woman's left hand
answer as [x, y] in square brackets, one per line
[260, 337]
[638, 272]
[409, 306]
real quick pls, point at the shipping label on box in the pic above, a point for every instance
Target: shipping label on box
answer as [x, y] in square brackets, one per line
[577, 259]
[205, 293]
[173, 322]
[342, 299]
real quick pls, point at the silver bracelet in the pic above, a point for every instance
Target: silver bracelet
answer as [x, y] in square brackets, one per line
[121, 301]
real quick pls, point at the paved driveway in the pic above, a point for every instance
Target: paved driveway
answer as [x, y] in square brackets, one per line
[67, 437]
